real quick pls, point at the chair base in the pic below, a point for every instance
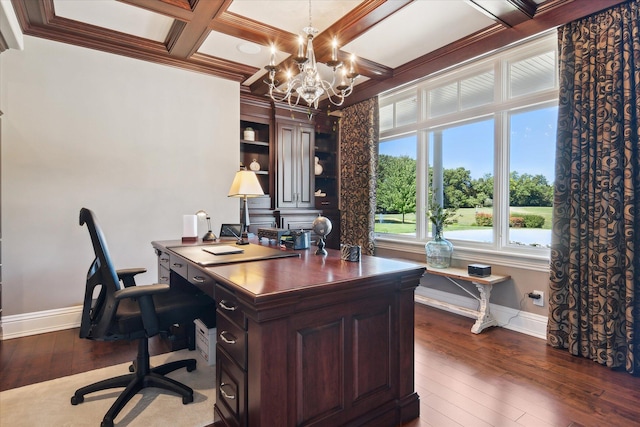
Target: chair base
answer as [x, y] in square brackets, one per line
[143, 377]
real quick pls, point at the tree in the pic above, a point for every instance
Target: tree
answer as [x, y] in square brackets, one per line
[483, 190]
[396, 191]
[457, 188]
[529, 190]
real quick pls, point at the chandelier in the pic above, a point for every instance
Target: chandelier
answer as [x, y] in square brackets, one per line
[308, 84]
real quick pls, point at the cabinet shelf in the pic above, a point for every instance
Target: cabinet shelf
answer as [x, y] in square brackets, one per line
[256, 143]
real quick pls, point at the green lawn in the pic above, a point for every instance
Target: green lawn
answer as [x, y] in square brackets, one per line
[392, 223]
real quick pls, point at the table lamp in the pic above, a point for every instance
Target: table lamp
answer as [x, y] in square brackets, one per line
[209, 236]
[245, 184]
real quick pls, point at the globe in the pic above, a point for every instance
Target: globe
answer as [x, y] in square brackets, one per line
[321, 226]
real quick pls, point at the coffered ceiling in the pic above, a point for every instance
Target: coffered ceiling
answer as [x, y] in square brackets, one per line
[394, 41]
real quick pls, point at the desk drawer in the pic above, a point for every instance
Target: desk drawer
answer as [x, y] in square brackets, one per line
[201, 281]
[227, 304]
[179, 265]
[163, 259]
[231, 391]
[163, 274]
[232, 339]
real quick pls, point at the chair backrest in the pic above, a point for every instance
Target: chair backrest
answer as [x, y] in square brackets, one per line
[98, 313]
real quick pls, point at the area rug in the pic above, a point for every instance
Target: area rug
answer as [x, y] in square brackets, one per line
[48, 403]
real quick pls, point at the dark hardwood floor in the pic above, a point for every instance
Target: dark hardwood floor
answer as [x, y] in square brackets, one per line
[496, 378]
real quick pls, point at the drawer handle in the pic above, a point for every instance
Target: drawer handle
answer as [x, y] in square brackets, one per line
[178, 265]
[231, 340]
[198, 279]
[224, 393]
[164, 259]
[164, 278]
[223, 304]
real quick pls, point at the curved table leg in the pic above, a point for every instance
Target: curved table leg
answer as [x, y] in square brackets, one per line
[485, 318]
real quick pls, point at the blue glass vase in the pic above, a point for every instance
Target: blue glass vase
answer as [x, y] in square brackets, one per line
[439, 251]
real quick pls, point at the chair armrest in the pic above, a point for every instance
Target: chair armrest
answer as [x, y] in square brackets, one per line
[126, 275]
[143, 295]
[140, 291]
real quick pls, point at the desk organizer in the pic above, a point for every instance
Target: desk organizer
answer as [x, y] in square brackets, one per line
[272, 233]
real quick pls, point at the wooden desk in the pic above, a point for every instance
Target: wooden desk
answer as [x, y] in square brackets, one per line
[312, 340]
[484, 286]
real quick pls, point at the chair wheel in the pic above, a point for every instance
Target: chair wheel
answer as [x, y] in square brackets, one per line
[132, 368]
[191, 368]
[75, 400]
[187, 399]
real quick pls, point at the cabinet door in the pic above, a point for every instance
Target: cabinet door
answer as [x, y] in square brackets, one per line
[295, 162]
[344, 362]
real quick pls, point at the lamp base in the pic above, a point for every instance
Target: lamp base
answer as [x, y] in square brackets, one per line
[209, 237]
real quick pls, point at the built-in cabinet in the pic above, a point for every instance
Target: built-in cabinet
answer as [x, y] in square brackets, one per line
[282, 148]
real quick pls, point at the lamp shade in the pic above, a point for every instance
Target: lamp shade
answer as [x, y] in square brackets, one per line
[245, 184]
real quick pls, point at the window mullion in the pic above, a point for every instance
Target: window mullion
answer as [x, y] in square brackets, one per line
[501, 182]
[422, 184]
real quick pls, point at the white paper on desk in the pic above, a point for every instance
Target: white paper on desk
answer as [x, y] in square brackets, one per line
[189, 226]
[223, 250]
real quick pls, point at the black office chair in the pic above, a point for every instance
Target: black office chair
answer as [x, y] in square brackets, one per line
[124, 311]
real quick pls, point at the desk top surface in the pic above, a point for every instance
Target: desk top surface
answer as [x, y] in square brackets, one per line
[250, 252]
[260, 279]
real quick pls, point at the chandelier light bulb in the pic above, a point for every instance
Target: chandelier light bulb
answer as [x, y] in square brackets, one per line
[334, 50]
[272, 61]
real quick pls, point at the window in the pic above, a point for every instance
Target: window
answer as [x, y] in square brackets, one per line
[481, 139]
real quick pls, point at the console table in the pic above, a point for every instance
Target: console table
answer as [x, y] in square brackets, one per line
[484, 285]
[309, 340]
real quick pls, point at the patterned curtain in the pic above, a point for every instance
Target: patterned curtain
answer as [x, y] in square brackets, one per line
[594, 308]
[358, 161]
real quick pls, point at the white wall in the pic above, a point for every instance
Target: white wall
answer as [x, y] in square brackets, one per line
[139, 143]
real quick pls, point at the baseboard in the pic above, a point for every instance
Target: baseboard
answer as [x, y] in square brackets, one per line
[22, 325]
[515, 320]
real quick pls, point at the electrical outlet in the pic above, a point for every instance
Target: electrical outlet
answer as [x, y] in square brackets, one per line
[539, 301]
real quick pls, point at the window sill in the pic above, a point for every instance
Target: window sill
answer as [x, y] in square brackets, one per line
[515, 259]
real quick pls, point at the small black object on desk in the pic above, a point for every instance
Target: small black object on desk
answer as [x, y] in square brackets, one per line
[479, 270]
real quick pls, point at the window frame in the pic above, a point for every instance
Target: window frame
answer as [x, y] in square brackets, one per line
[500, 110]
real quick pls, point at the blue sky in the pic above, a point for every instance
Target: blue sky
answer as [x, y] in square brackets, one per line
[533, 136]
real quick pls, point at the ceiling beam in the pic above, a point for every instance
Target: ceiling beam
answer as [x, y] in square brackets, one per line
[194, 33]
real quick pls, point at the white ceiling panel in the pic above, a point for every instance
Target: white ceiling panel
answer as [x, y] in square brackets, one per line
[221, 45]
[409, 33]
[116, 16]
[293, 15]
